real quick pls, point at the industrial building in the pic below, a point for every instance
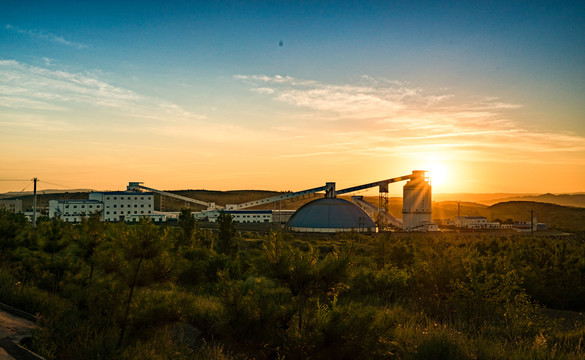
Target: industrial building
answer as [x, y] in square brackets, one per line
[325, 215]
[242, 216]
[11, 205]
[73, 210]
[475, 222]
[329, 214]
[417, 205]
[112, 205]
[120, 205]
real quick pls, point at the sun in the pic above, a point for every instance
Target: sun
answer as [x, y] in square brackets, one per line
[438, 174]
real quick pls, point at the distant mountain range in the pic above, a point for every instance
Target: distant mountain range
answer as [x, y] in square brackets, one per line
[488, 199]
[12, 194]
[574, 199]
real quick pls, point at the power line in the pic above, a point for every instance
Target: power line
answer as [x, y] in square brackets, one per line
[63, 186]
[25, 187]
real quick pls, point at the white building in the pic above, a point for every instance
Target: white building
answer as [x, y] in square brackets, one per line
[120, 205]
[73, 210]
[417, 203]
[475, 222]
[12, 205]
[245, 216]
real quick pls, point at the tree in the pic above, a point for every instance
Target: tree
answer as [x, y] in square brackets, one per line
[303, 273]
[91, 235]
[138, 258]
[54, 238]
[11, 227]
[226, 237]
[188, 226]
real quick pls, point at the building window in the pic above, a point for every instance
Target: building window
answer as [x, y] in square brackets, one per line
[135, 212]
[135, 205]
[142, 212]
[115, 205]
[122, 205]
[142, 198]
[75, 206]
[121, 213]
[107, 213]
[141, 205]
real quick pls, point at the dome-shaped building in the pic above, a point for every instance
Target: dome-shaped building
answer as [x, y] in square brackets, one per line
[330, 215]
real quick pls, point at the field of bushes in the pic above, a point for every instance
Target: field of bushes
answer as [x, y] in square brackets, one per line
[119, 291]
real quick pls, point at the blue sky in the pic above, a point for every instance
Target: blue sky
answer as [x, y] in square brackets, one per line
[476, 88]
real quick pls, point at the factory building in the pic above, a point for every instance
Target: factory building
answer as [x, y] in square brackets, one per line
[120, 205]
[245, 216]
[475, 222]
[70, 210]
[11, 205]
[417, 203]
[330, 215]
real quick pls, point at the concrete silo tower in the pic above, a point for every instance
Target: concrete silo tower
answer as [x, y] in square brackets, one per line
[416, 202]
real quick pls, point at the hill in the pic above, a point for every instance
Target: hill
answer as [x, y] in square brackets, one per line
[574, 199]
[560, 199]
[556, 216]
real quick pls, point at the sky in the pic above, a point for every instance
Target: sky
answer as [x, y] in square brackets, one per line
[487, 95]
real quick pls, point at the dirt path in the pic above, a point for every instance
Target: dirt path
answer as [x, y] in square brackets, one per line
[12, 330]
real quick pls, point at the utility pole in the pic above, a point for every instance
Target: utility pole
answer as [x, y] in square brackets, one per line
[34, 221]
[532, 222]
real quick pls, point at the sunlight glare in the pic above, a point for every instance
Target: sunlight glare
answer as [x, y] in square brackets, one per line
[438, 173]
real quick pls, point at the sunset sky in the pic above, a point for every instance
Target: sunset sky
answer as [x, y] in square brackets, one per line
[490, 96]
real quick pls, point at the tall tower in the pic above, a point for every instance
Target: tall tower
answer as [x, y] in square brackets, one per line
[416, 202]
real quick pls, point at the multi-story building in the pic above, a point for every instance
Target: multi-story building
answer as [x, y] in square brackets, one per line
[475, 222]
[246, 216]
[12, 205]
[121, 205]
[73, 210]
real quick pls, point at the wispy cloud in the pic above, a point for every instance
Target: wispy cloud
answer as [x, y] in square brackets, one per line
[32, 88]
[44, 35]
[390, 118]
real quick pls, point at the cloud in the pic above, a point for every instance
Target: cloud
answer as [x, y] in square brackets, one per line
[32, 88]
[44, 35]
[389, 118]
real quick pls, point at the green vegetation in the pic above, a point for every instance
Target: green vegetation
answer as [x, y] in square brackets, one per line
[141, 291]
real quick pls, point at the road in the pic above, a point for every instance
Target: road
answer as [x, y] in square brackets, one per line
[12, 329]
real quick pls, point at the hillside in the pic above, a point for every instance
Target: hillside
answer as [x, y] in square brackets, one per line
[561, 199]
[556, 216]
[575, 199]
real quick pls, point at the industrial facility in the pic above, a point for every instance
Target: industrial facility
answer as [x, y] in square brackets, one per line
[329, 214]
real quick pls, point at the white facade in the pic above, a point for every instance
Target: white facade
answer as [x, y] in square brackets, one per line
[475, 222]
[417, 203]
[245, 216]
[120, 205]
[12, 205]
[73, 210]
